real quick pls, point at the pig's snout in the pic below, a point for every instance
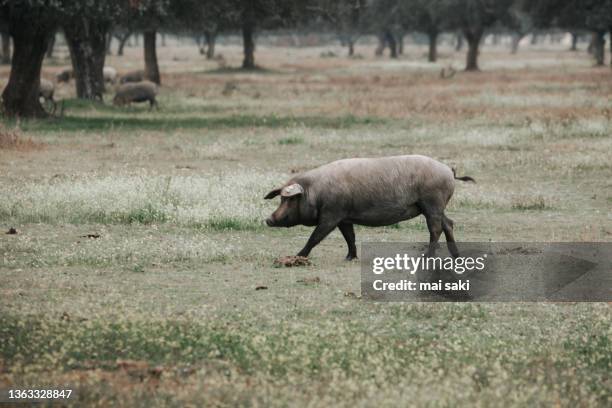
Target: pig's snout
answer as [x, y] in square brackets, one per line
[269, 222]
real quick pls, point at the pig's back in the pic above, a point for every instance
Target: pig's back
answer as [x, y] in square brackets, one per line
[390, 183]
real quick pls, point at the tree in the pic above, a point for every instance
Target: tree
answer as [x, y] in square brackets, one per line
[400, 40]
[574, 46]
[204, 18]
[210, 37]
[473, 17]
[150, 56]
[390, 39]
[384, 18]
[30, 23]
[430, 17]
[208, 17]
[86, 27]
[5, 37]
[51, 46]
[216, 18]
[598, 19]
[125, 26]
[458, 41]
[254, 14]
[349, 18]
[149, 16]
[122, 34]
[108, 42]
[575, 15]
[248, 22]
[520, 24]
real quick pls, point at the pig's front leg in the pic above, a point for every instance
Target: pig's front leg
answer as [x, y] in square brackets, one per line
[321, 231]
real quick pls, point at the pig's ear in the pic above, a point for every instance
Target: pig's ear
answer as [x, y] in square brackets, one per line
[292, 190]
[272, 194]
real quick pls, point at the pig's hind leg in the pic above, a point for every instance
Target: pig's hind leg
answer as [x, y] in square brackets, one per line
[447, 227]
[348, 232]
[434, 214]
[438, 222]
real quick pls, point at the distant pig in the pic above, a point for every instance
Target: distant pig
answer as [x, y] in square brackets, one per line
[368, 191]
[110, 75]
[65, 75]
[132, 76]
[46, 89]
[144, 91]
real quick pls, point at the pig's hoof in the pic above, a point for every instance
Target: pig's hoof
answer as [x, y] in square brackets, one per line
[350, 257]
[289, 261]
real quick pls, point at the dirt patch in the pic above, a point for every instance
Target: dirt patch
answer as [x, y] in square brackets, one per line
[290, 261]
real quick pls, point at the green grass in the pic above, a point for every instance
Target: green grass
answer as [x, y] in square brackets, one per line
[474, 360]
[291, 141]
[171, 105]
[152, 121]
[231, 224]
[145, 215]
[530, 203]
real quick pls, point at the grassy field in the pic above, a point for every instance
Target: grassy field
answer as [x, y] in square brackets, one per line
[162, 308]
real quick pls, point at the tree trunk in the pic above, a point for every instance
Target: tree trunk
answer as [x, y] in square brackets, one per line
[150, 57]
[473, 38]
[30, 41]
[351, 47]
[122, 41]
[86, 38]
[516, 39]
[109, 42]
[382, 43]
[574, 46]
[211, 39]
[248, 44]
[400, 43]
[6, 48]
[599, 47]
[610, 37]
[432, 56]
[51, 46]
[459, 43]
[200, 43]
[392, 44]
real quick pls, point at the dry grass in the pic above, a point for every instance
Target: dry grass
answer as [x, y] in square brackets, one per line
[12, 139]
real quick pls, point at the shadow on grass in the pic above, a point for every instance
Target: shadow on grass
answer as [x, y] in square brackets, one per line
[83, 123]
